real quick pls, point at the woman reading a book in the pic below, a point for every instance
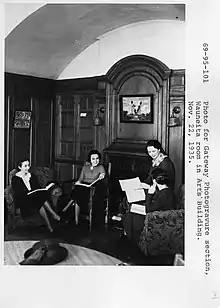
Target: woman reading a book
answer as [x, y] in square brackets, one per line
[92, 173]
[24, 184]
[160, 197]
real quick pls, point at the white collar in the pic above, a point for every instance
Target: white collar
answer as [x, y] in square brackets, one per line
[24, 177]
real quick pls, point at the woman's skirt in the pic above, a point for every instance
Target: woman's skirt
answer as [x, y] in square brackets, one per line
[31, 204]
[133, 225]
[81, 195]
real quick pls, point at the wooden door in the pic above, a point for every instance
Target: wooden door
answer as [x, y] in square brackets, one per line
[75, 135]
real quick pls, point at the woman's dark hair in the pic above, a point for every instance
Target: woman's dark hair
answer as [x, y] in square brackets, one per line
[92, 152]
[20, 161]
[156, 144]
[160, 176]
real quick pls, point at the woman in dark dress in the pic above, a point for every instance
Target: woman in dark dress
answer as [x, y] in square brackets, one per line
[24, 182]
[91, 171]
[160, 197]
[159, 159]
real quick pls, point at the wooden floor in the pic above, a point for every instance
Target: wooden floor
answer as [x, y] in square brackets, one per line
[106, 240]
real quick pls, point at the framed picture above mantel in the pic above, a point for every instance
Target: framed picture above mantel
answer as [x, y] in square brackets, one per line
[136, 108]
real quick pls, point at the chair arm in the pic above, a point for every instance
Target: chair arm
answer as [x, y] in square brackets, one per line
[55, 193]
[9, 198]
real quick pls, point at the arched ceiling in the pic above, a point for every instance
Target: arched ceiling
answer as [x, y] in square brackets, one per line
[50, 38]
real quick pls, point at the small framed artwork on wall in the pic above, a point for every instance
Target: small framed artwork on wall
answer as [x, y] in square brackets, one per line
[136, 108]
[22, 119]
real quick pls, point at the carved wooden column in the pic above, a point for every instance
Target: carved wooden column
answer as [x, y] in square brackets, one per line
[176, 130]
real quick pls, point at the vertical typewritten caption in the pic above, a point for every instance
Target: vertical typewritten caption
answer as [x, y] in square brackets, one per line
[198, 152]
[198, 156]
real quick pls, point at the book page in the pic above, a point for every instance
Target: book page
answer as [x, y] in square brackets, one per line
[49, 185]
[85, 184]
[82, 184]
[36, 190]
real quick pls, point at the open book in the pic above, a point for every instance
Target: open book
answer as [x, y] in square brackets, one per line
[41, 189]
[134, 189]
[86, 184]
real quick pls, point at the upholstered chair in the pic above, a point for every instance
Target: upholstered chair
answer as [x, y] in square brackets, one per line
[163, 231]
[45, 176]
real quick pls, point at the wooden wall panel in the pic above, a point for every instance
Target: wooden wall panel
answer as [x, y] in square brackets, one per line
[42, 121]
[138, 131]
[27, 93]
[176, 133]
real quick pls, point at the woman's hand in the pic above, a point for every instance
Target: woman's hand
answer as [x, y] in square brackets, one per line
[152, 189]
[101, 176]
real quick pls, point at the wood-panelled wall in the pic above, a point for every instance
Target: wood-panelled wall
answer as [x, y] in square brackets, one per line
[82, 97]
[42, 97]
[25, 93]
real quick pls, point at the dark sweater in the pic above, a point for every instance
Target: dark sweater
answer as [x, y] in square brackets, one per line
[28, 204]
[168, 167]
[161, 200]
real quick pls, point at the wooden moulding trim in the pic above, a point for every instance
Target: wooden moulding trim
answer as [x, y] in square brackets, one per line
[131, 65]
[149, 73]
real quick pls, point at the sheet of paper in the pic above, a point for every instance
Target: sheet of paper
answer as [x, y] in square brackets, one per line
[145, 186]
[130, 184]
[134, 195]
[138, 209]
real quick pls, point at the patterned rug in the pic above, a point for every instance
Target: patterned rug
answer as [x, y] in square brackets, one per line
[77, 255]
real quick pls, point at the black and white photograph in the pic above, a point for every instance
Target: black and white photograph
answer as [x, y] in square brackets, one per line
[104, 140]
[136, 108]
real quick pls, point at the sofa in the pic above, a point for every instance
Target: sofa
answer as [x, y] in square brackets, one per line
[12, 214]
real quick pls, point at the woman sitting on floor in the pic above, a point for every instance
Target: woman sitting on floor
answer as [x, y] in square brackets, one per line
[24, 182]
[160, 197]
[91, 171]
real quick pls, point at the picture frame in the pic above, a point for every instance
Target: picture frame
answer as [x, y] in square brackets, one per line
[136, 108]
[22, 119]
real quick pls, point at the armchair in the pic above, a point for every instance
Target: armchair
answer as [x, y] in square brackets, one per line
[44, 175]
[163, 231]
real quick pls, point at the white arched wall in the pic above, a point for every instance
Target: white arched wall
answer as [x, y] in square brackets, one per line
[161, 39]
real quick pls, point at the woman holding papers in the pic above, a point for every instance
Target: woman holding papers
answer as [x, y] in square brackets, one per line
[159, 160]
[92, 172]
[160, 197]
[24, 182]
